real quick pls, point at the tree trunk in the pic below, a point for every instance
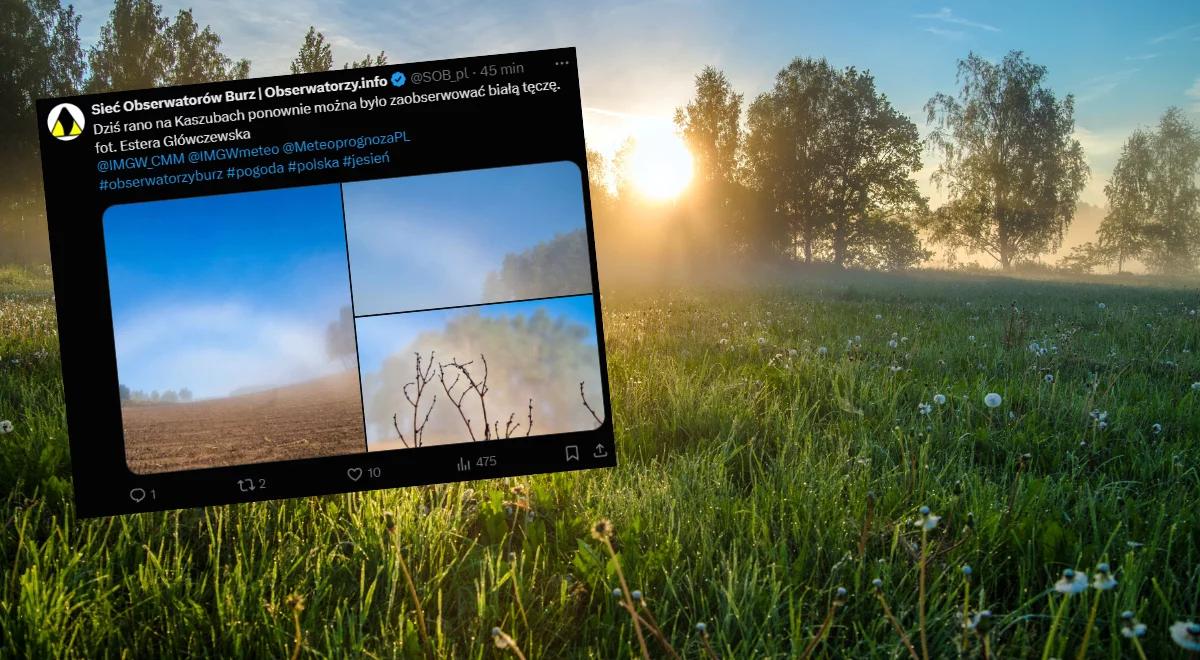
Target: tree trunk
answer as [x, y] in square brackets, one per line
[839, 245]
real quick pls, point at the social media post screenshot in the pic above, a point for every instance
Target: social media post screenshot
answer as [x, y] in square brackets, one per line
[326, 283]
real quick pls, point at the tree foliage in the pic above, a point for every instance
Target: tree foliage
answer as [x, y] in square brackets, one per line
[40, 56]
[1011, 167]
[315, 54]
[555, 267]
[1153, 198]
[832, 157]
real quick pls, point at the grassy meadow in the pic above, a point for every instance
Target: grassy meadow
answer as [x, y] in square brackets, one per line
[776, 443]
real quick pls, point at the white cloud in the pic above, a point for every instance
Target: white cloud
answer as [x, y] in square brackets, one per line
[1144, 57]
[1193, 92]
[953, 35]
[1175, 34]
[946, 15]
[1102, 85]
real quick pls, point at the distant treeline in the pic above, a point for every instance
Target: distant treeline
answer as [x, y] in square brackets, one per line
[821, 168]
[170, 396]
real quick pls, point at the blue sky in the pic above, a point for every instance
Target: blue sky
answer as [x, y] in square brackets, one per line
[380, 337]
[430, 241]
[226, 292]
[1125, 61]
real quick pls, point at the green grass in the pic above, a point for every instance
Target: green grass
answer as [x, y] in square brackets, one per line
[740, 501]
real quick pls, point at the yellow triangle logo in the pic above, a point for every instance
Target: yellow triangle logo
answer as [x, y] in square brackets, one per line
[58, 129]
[75, 129]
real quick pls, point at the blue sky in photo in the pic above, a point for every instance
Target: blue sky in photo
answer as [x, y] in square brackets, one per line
[225, 292]
[380, 337]
[430, 241]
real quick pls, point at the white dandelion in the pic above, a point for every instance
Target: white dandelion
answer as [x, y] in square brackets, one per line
[992, 400]
[892, 343]
[1156, 428]
[927, 521]
[879, 317]
[822, 350]
[1071, 582]
[1103, 579]
[1196, 386]
[924, 408]
[5, 426]
[971, 338]
[762, 341]
[939, 399]
[1049, 378]
[1186, 634]
[1102, 306]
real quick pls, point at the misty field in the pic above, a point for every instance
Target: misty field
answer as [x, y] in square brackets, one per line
[776, 443]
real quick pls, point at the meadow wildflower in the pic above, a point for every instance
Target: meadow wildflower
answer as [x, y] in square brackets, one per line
[636, 595]
[1049, 378]
[1103, 579]
[879, 317]
[896, 368]
[1156, 428]
[939, 399]
[1071, 582]
[971, 338]
[1196, 386]
[966, 570]
[6, 426]
[892, 343]
[616, 593]
[822, 350]
[762, 341]
[927, 521]
[877, 583]
[1131, 627]
[602, 530]
[1101, 306]
[924, 408]
[1186, 634]
[992, 400]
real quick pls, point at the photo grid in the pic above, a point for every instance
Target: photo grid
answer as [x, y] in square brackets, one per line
[345, 318]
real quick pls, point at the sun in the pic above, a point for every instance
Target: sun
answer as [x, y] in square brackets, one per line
[660, 165]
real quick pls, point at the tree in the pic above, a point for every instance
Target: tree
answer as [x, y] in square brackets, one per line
[138, 48]
[868, 179]
[170, 396]
[196, 56]
[550, 268]
[710, 125]
[40, 56]
[834, 157]
[1123, 230]
[1153, 198]
[315, 54]
[185, 395]
[787, 145]
[131, 52]
[368, 61]
[123, 392]
[1011, 167]
[340, 342]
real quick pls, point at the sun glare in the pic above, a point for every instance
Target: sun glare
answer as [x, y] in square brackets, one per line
[660, 165]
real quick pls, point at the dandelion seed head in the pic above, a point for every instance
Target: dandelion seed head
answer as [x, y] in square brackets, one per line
[6, 426]
[892, 343]
[635, 595]
[701, 627]
[1101, 305]
[822, 350]
[877, 583]
[924, 408]
[992, 400]
[616, 593]
[939, 399]
[602, 529]
[1071, 582]
[1156, 428]
[1186, 634]
[1049, 378]
[966, 570]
